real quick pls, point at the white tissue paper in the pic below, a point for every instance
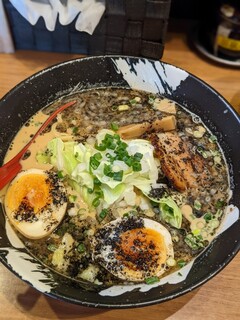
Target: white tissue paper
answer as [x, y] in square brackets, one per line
[88, 12]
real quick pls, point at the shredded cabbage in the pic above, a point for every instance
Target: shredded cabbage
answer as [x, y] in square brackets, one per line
[170, 212]
[74, 160]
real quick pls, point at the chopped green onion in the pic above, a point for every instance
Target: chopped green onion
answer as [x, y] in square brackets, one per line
[136, 166]
[212, 138]
[219, 213]
[107, 170]
[116, 137]
[107, 137]
[100, 147]
[51, 247]
[194, 241]
[181, 263]
[151, 99]
[72, 198]
[98, 156]
[220, 204]
[81, 248]
[208, 216]
[81, 211]
[121, 154]
[130, 213]
[117, 176]
[75, 130]
[205, 154]
[121, 148]
[151, 280]
[103, 214]
[99, 193]
[96, 202]
[109, 142]
[133, 101]
[202, 152]
[60, 174]
[138, 156]
[111, 145]
[214, 223]
[197, 205]
[114, 107]
[128, 160]
[114, 126]
[96, 181]
[110, 156]
[123, 144]
[94, 163]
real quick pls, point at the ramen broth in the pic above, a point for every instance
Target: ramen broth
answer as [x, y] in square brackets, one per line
[188, 197]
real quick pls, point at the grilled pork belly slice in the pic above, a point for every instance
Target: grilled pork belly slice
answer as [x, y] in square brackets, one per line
[182, 167]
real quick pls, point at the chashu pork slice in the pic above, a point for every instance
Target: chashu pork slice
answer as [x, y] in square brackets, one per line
[182, 167]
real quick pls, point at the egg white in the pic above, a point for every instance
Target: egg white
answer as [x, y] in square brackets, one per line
[44, 219]
[106, 249]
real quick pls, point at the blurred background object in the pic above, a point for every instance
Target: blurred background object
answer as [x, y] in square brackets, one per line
[6, 42]
[129, 27]
[216, 32]
[227, 38]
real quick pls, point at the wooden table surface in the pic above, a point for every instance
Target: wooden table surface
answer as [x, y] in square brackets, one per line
[217, 299]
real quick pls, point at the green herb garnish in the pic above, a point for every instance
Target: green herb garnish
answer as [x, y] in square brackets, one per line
[75, 130]
[194, 241]
[114, 126]
[181, 263]
[81, 248]
[197, 205]
[60, 174]
[96, 202]
[96, 181]
[136, 166]
[133, 101]
[212, 138]
[72, 198]
[208, 216]
[51, 247]
[94, 162]
[220, 204]
[118, 176]
[103, 214]
[107, 170]
[151, 280]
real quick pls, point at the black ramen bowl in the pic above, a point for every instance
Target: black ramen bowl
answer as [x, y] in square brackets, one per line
[174, 83]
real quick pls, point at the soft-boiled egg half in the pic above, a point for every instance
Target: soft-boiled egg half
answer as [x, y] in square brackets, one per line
[35, 202]
[133, 248]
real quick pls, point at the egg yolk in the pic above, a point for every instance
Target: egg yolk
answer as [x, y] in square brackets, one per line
[141, 249]
[32, 190]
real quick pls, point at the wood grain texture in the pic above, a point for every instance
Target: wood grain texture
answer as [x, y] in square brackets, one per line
[218, 299]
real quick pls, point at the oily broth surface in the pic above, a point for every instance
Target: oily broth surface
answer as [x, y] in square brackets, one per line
[96, 110]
